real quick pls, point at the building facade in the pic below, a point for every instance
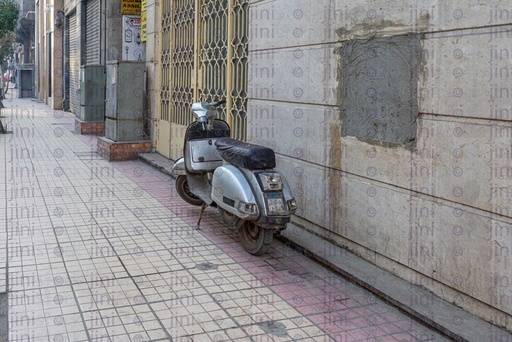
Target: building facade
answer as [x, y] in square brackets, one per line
[390, 119]
[49, 53]
[22, 63]
[73, 34]
[25, 31]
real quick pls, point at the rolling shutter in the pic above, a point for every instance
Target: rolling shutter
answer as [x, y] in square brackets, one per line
[92, 34]
[74, 64]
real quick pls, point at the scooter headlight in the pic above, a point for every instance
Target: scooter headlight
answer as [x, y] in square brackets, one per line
[271, 181]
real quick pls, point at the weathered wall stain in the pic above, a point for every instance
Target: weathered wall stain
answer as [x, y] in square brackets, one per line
[334, 181]
[381, 28]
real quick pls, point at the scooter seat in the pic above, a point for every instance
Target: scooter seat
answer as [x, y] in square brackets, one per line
[248, 156]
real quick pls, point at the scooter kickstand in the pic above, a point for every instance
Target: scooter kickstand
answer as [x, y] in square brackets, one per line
[203, 207]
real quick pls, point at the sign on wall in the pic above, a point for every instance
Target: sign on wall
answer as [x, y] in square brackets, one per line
[144, 22]
[130, 7]
[133, 47]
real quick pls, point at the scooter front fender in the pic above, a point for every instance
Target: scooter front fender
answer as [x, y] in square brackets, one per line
[178, 169]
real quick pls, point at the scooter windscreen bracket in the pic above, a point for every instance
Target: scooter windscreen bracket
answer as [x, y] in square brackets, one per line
[206, 110]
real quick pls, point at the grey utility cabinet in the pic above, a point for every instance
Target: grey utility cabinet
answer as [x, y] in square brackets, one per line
[92, 93]
[124, 106]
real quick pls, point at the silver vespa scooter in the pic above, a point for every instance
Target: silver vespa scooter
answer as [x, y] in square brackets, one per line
[236, 177]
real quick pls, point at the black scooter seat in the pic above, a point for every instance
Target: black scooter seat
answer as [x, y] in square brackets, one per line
[248, 156]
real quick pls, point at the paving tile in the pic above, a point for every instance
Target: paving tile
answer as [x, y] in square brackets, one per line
[106, 251]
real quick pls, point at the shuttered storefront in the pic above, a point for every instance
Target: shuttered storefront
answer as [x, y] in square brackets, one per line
[74, 64]
[92, 34]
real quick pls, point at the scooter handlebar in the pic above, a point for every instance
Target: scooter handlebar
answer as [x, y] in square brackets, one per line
[219, 103]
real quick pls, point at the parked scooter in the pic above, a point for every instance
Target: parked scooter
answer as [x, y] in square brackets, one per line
[236, 177]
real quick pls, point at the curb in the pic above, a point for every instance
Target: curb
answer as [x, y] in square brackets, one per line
[157, 161]
[438, 314]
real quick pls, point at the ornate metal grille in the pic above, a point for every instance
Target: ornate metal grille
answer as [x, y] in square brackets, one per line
[239, 44]
[214, 50]
[165, 98]
[204, 56]
[224, 46]
[182, 61]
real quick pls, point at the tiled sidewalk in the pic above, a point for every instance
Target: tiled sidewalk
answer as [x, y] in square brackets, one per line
[99, 251]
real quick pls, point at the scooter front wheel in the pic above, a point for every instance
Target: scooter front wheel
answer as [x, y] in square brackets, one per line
[185, 193]
[255, 239]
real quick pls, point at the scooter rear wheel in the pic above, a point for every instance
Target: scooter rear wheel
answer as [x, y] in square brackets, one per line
[185, 193]
[255, 239]
[230, 220]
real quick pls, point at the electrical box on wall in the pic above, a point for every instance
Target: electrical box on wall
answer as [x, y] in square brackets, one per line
[124, 106]
[92, 93]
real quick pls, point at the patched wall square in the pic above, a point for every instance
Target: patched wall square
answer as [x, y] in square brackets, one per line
[379, 80]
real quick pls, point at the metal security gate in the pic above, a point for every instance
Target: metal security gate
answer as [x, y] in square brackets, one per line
[163, 136]
[73, 64]
[204, 57]
[224, 52]
[92, 32]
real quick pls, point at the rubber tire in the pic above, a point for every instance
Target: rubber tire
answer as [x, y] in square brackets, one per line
[255, 245]
[185, 193]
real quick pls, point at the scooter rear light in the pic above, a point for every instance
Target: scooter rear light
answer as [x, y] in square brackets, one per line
[271, 181]
[292, 205]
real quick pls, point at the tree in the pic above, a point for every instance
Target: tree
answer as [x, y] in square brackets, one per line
[5, 53]
[9, 13]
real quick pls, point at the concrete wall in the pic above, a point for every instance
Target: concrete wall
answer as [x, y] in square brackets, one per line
[114, 28]
[436, 212]
[70, 5]
[57, 58]
[152, 59]
[40, 66]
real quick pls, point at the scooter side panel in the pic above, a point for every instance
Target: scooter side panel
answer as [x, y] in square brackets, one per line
[230, 188]
[202, 155]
